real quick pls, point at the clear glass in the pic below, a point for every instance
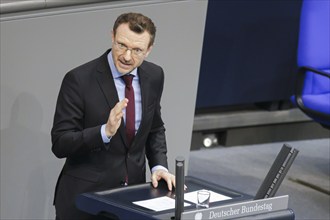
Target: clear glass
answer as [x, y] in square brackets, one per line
[203, 198]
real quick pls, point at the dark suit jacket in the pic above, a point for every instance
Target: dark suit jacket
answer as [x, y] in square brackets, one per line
[87, 95]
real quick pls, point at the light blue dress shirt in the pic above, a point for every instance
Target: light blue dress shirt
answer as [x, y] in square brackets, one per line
[120, 86]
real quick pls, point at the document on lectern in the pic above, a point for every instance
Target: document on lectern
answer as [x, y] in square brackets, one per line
[165, 203]
[158, 204]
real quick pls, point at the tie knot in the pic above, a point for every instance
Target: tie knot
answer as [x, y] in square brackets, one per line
[128, 78]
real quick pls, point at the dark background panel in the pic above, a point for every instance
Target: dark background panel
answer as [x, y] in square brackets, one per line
[249, 52]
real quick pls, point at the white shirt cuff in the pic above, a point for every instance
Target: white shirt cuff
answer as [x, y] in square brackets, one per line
[105, 139]
[158, 167]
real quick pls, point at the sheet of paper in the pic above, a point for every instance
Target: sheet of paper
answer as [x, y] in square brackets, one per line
[215, 197]
[158, 204]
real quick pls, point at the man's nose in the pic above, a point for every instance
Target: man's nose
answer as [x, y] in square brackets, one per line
[128, 55]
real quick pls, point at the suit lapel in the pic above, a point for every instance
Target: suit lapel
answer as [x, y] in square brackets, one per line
[106, 82]
[107, 85]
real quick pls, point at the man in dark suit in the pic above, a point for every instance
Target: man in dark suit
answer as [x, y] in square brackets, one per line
[90, 119]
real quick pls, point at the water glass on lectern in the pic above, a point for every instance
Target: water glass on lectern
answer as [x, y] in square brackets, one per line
[203, 198]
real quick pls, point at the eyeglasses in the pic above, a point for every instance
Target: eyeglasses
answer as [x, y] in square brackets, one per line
[123, 48]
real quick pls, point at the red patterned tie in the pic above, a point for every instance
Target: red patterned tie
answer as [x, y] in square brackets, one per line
[130, 109]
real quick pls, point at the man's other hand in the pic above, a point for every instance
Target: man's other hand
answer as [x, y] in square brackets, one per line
[162, 174]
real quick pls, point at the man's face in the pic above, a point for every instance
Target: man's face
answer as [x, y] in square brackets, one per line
[129, 49]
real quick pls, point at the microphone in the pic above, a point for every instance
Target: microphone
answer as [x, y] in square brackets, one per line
[179, 186]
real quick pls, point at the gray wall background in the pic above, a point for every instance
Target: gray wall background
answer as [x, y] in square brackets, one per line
[38, 48]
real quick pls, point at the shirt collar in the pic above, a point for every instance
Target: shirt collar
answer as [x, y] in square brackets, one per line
[114, 70]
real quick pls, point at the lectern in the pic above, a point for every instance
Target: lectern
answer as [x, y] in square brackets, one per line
[145, 202]
[120, 202]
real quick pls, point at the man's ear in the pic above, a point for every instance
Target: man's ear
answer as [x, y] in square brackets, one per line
[148, 51]
[112, 37]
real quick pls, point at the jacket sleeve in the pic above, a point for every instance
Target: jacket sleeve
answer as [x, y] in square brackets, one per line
[69, 136]
[156, 148]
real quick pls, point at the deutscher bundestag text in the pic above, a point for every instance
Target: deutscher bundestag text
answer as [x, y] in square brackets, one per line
[244, 209]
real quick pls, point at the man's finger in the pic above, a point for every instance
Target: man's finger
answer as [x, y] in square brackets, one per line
[117, 112]
[154, 181]
[169, 184]
[170, 179]
[115, 117]
[119, 116]
[120, 106]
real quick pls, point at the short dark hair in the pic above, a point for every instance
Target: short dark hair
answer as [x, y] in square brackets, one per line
[137, 23]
